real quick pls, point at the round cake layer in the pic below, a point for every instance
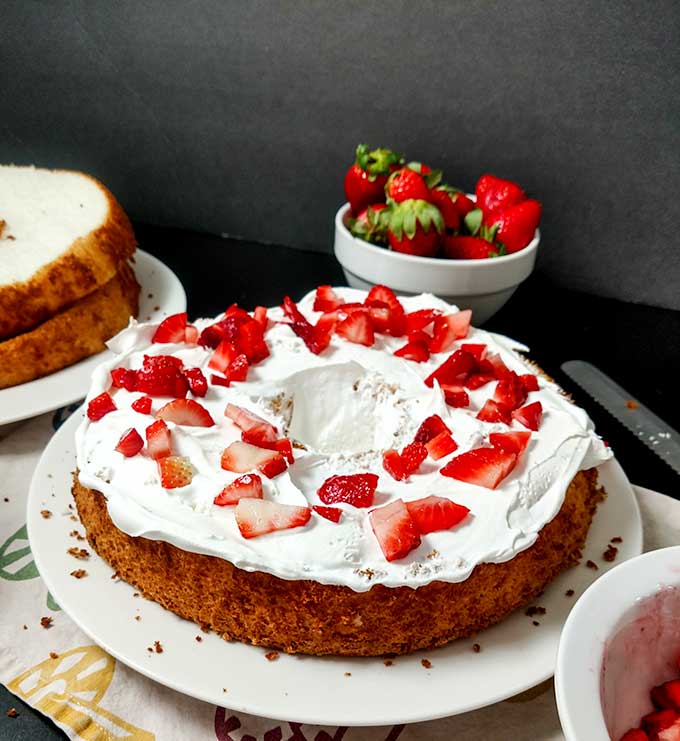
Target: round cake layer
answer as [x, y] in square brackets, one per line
[304, 616]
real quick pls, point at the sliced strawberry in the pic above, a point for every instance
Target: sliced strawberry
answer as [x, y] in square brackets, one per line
[512, 442]
[122, 378]
[412, 457]
[191, 335]
[197, 381]
[285, 447]
[510, 392]
[330, 513]
[654, 723]
[430, 428]
[326, 299]
[435, 513]
[142, 405]
[455, 396]
[357, 328]
[477, 380]
[383, 295]
[356, 489]
[530, 382]
[130, 443]
[326, 323]
[250, 341]
[248, 486]
[441, 445]
[495, 365]
[212, 336]
[447, 329]
[260, 316]
[395, 530]
[158, 440]
[420, 319]
[258, 516]
[415, 350]
[248, 421]
[393, 464]
[219, 380]
[483, 466]
[453, 369]
[100, 406]
[186, 412]
[494, 412]
[223, 357]
[420, 335]
[161, 375]
[238, 368]
[171, 329]
[175, 471]
[387, 321]
[241, 457]
[530, 416]
[478, 351]
[317, 339]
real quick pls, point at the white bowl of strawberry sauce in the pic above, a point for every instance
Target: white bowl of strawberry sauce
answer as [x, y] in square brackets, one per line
[481, 285]
[621, 640]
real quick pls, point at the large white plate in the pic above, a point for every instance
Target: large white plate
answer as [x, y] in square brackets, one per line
[515, 655]
[162, 294]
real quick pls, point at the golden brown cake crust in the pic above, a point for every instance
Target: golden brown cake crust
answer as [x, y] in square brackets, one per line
[73, 334]
[89, 263]
[313, 618]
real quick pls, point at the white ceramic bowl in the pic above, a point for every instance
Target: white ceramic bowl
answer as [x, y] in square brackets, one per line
[632, 591]
[481, 285]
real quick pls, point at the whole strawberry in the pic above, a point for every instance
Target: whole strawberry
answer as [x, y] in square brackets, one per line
[407, 185]
[515, 224]
[415, 228]
[371, 224]
[469, 248]
[366, 179]
[446, 199]
[495, 193]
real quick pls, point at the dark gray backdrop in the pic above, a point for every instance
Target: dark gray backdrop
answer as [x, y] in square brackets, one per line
[241, 117]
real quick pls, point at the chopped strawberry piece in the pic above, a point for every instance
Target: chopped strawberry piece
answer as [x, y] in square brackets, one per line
[455, 396]
[357, 328]
[260, 316]
[326, 323]
[248, 421]
[330, 513]
[356, 489]
[478, 351]
[197, 382]
[653, 723]
[529, 381]
[158, 440]
[635, 734]
[211, 336]
[412, 457]
[100, 406]
[191, 335]
[175, 471]
[241, 457]
[435, 513]
[512, 442]
[258, 516]
[351, 308]
[387, 321]
[430, 428]
[226, 329]
[130, 443]
[415, 350]
[248, 486]
[393, 464]
[447, 329]
[453, 369]
[219, 380]
[530, 416]
[326, 299]
[317, 339]
[395, 530]
[161, 375]
[441, 445]
[510, 392]
[420, 335]
[671, 733]
[420, 319]
[483, 466]
[142, 405]
[285, 447]
[171, 329]
[386, 296]
[493, 363]
[494, 412]
[250, 341]
[185, 412]
[477, 380]
[223, 357]
[122, 378]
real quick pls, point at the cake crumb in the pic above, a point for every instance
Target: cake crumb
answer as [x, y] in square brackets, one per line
[73, 517]
[272, 655]
[46, 622]
[535, 622]
[149, 649]
[617, 539]
[569, 593]
[388, 662]
[531, 611]
[46, 514]
[476, 647]
[75, 534]
[348, 674]
[138, 617]
[432, 554]
[368, 573]
[53, 655]
[592, 565]
[631, 404]
[136, 594]
[115, 575]
[224, 689]
[158, 647]
[426, 663]
[199, 639]
[6, 499]
[79, 553]
[12, 713]
[24, 626]
[611, 553]
[79, 573]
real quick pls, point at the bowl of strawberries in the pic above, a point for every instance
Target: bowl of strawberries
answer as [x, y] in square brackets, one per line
[403, 226]
[618, 664]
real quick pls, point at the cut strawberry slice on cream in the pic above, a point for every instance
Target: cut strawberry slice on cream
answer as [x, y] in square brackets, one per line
[485, 467]
[158, 440]
[317, 339]
[191, 335]
[329, 513]
[415, 350]
[447, 329]
[395, 530]
[441, 446]
[453, 370]
[130, 443]
[455, 396]
[161, 375]
[421, 319]
[100, 406]
[326, 299]
[142, 405]
[435, 513]
[241, 457]
[357, 489]
[198, 385]
[513, 442]
[185, 412]
[530, 416]
[122, 378]
[387, 321]
[357, 328]
[250, 342]
[530, 382]
[248, 421]
[171, 329]
[510, 392]
[256, 517]
[393, 464]
[383, 295]
[248, 486]
[175, 471]
[430, 428]
[478, 351]
[494, 412]
[260, 316]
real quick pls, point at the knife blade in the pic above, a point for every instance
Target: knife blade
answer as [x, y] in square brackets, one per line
[656, 434]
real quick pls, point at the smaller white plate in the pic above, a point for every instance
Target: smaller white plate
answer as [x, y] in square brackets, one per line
[161, 294]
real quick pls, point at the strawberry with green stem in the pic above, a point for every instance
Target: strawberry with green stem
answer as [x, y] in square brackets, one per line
[371, 224]
[415, 228]
[366, 179]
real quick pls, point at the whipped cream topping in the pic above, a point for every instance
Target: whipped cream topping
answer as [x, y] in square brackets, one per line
[344, 407]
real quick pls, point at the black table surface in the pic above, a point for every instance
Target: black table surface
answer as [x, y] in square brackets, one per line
[638, 346]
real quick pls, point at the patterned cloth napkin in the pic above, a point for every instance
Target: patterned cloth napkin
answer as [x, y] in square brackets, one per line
[54, 667]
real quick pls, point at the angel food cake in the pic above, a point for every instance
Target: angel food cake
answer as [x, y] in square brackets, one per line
[357, 474]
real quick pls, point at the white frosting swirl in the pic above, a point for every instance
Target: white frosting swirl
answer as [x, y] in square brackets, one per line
[349, 404]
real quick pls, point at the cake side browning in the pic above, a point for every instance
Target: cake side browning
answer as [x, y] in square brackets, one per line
[301, 616]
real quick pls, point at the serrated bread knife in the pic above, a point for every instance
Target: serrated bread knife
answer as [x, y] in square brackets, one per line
[643, 423]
